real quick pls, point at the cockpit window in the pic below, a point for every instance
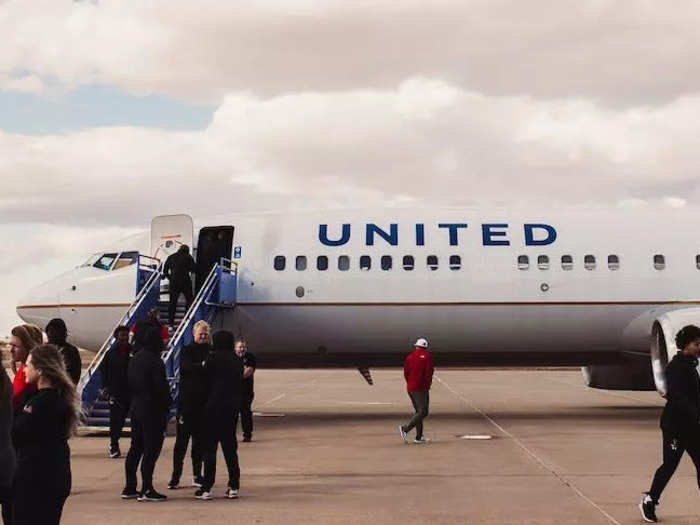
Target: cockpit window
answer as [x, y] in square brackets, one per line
[105, 261]
[91, 260]
[126, 259]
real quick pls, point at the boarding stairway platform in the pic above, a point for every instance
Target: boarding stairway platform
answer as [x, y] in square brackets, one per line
[218, 293]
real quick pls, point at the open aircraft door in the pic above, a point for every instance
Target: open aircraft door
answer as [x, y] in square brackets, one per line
[168, 233]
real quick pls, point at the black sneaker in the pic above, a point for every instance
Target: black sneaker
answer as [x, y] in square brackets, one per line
[203, 494]
[198, 481]
[152, 495]
[174, 484]
[128, 493]
[114, 453]
[648, 508]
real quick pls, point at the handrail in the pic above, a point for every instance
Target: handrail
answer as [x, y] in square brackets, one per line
[99, 356]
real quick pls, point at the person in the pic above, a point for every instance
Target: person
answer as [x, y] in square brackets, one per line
[115, 381]
[40, 434]
[23, 338]
[191, 399]
[152, 319]
[224, 375]
[7, 451]
[177, 269]
[247, 392]
[680, 419]
[150, 400]
[57, 334]
[418, 372]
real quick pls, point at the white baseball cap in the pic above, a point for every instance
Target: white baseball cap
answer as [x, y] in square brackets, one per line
[422, 343]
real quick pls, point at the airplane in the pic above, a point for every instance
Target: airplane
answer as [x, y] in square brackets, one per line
[604, 289]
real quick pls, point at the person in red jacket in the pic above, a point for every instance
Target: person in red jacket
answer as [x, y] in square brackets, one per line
[418, 371]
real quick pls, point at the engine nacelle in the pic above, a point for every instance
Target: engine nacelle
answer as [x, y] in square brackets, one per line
[633, 375]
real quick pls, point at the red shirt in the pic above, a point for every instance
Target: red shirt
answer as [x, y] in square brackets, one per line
[20, 387]
[418, 370]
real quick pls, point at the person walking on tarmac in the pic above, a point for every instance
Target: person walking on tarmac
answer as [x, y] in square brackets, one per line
[418, 372]
[224, 375]
[57, 333]
[191, 400]
[247, 393]
[680, 419]
[115, 380]
[177, 269]
[150, 400]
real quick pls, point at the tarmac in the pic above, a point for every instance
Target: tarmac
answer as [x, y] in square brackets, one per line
[326, 450]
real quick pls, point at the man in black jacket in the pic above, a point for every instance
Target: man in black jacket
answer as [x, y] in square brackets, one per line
[680, 420]
[57, 333]
[190, 402]
[150, 400]
[177, 269]
[116, 384]
[247, 392]
[224, 373]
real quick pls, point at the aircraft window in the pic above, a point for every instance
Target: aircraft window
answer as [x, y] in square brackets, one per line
[567, 262]
[659, 262]
[126, 259]
[613, 262]
[301, 263]
[408, 262]
[432, 262]
[455, 262]
[343, 263]
[697, 262]
[543, 262]
[589, 262]
[280, 263]
[523, 262]
[386, 262]
[322, 262]
[105, 261]
[365, 262]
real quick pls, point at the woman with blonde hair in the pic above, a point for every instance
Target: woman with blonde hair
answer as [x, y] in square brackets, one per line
[40, 433]
[23, 338]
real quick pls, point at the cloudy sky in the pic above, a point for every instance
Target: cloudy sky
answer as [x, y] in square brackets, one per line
[112, 112]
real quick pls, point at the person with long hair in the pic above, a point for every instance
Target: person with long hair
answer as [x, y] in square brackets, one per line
[150, 401]
[57, 333]
[40, 433]
[7, 451]
[22, 339]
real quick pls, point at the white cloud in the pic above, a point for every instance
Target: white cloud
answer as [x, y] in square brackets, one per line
[24, 84]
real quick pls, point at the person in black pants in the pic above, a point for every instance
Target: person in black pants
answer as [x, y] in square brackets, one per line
[57, 333]
[7, 451]
[40, 433]
[680, 419]
[224, 374]
[191, 400]
[177, 269]
[247, 391]
[115, 381]
[150, 399]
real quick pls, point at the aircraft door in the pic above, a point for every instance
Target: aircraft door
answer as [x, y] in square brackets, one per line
[168, 233]
[214, 242]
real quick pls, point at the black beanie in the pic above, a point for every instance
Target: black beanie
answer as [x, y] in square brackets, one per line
[222, 341]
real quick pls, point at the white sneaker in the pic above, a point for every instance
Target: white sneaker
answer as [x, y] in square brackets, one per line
[422, 440]
[202, 494]
[231, 493]
[403, 434]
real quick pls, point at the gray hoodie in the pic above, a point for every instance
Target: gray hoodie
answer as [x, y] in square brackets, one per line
[7, 451]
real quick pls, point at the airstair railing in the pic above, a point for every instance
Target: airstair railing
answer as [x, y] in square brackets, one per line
[90, 381]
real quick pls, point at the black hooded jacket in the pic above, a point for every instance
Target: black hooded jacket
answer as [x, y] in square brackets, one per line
[148, 384]
[179, 265]
[681, 415]
[193, 381]
[224, 373]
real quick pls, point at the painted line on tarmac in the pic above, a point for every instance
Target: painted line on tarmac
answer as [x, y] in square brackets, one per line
[532, 454]
[269, 402]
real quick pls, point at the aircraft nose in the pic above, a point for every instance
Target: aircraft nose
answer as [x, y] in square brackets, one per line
[40, 305]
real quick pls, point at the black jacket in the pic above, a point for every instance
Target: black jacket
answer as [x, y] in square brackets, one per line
[178, 267]
[681, 414]
[193, 381]
[71, 357]
[148, 386]
[114, 371]
[224, 373]
[40, 436]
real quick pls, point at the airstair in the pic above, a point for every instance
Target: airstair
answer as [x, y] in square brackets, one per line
[218, 293]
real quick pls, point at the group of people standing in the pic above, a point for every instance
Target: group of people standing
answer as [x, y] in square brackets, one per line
[39, 411]
[216, 385]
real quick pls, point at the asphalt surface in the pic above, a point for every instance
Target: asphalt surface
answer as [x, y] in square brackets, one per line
[326, 450]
